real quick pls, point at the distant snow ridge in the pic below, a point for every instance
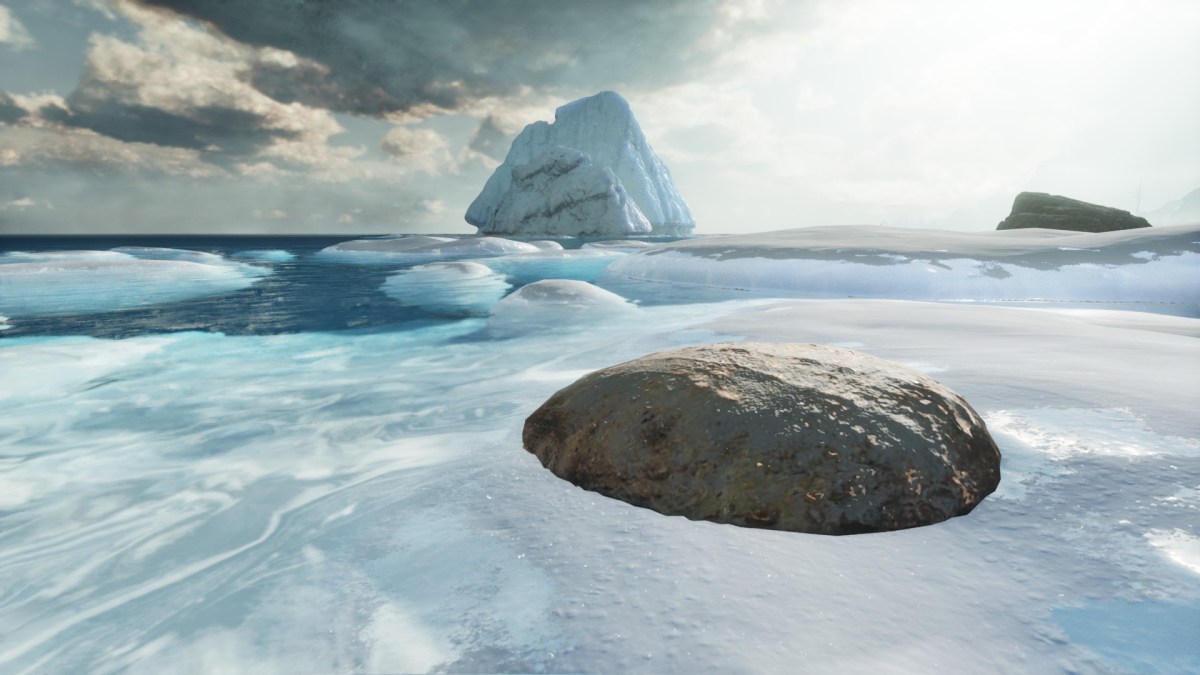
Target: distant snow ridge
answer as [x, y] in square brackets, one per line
[602, 129]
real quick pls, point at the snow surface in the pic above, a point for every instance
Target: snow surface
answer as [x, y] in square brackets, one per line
[360, 501]
[580, 264]
[1156, 267]
[416, 248]
[603, 128]
[449, 289]
[68, 282]
[268, 255]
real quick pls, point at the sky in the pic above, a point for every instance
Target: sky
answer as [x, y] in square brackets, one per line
[356, 117]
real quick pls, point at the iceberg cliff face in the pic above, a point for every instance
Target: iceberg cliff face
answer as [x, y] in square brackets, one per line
[562, 193]
[602, 128]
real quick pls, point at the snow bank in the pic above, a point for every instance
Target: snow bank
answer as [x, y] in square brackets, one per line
[1152, 267]
[73, 282]
[450, 288]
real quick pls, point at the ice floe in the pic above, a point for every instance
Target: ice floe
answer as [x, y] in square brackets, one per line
[73, 282]
[460, 288]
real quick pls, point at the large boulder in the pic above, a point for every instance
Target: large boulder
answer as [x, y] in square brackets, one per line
[805, 438]
[1052, 212]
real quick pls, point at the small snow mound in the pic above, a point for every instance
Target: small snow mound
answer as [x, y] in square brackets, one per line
[546, 245]
[555, 304]
[449, 288]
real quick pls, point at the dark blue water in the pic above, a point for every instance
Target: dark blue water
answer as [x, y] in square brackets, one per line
[299, 295]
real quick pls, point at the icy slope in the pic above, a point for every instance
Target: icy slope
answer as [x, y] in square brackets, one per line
[603, 128]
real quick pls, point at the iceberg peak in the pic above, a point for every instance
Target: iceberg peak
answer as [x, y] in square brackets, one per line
[604, 131]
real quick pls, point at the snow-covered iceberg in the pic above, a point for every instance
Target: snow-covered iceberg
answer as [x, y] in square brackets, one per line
[461, 288]
[387, 251]
[1149, 267]
[562, 193]
[74, 282]
[602, 128]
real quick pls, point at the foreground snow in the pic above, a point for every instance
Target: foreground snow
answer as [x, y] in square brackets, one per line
[328, 502]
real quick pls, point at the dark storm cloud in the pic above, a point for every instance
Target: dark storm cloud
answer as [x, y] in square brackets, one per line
[489, 139]
[219, 131]
[10, 112]
[376, 58]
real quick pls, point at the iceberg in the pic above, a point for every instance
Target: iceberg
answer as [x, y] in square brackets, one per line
[450, 289]
[416, 249]
[603, 129]
[74, 282]
[562, 193]
[1143, 267]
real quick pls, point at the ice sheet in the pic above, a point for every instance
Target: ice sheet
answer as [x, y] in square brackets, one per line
[70, 282]
[1142, 268]
[326, 502]
[416, 249]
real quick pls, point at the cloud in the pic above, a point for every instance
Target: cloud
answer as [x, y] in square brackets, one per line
[425, 149]
[178, 85]
[10, 111]
[489, 139]
[408, 60]
[13, 33]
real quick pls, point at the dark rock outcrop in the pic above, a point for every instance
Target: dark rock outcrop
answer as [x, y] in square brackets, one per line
[1052, 212]
[806, 438]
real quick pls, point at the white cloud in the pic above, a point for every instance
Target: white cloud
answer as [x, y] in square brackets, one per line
[12, 32]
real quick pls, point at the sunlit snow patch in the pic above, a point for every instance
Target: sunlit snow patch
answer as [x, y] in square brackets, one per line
[451, 289]
[1178, 546]
[268, 255]
[555, 304]
[73, 282]
[420, 249]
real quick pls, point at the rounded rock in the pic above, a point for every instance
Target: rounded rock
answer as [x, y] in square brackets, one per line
[805, 438]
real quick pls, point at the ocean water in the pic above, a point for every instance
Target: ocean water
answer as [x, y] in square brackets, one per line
[286, 469]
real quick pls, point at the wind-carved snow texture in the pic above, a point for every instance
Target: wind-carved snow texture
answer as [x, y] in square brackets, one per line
[330, 501]
[67, 282]
[603, 129]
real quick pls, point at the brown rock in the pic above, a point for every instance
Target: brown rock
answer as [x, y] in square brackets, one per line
[806, 438]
